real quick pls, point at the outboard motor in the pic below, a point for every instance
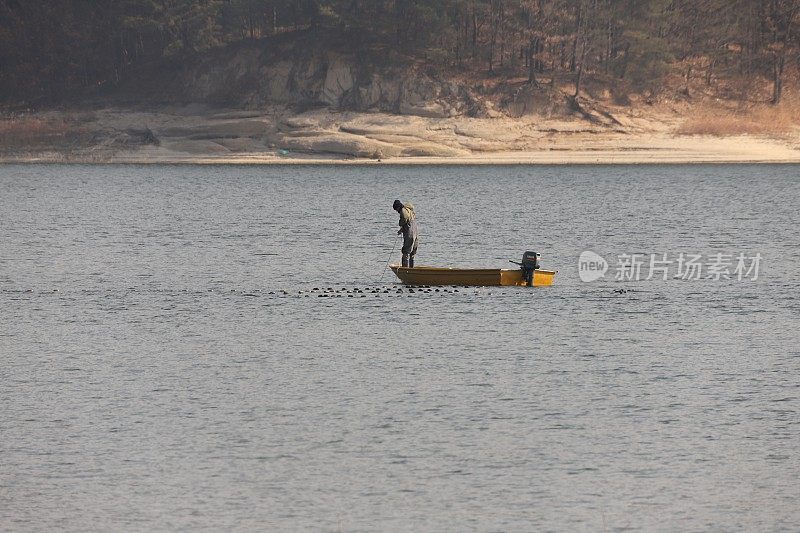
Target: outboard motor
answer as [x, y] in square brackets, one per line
[530, 262]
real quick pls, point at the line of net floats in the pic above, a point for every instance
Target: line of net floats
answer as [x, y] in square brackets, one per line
[363, 292]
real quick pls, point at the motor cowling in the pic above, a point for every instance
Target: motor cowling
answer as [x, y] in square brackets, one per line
[530, 262]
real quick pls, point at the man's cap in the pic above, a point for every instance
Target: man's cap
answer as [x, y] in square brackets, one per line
[397, 205]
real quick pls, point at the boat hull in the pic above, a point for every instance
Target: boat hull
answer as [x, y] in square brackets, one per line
[475, 277]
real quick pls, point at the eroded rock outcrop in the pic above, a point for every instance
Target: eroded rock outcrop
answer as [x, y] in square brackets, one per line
[255, 78]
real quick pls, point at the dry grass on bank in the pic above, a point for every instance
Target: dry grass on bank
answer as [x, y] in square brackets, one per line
[762, 119]
[21, 130]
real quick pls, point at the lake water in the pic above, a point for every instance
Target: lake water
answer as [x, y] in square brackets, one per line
[155, 376]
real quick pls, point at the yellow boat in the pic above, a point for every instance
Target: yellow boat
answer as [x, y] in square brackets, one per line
[529, 274]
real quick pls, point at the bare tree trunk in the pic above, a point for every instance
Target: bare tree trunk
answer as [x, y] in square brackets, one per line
[456, 29]
[777, 79]
[466, 29]
[531, 64]
[584, 53]
[495, 21]
[474, 34]
[538, 59]
[609, 44]
[579, 78]
[578, 28]
[466, 32]
[710, 70]
[780, 60]
[687, 77]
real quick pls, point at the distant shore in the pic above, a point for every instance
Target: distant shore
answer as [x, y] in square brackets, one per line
[499, 159]
[277, 136]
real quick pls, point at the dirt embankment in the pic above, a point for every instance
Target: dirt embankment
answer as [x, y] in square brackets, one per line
[251, 106]
[197, 135]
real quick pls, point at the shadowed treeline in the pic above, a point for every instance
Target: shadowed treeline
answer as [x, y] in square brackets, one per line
[54, 48]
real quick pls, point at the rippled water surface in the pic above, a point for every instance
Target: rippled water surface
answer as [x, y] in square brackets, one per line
[166, 363]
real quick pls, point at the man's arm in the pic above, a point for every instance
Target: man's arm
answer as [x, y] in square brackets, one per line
[403, 222]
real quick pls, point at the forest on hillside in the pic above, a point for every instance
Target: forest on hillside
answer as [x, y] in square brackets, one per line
[54, 48]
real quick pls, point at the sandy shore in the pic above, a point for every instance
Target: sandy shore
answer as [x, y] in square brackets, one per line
[277, 136]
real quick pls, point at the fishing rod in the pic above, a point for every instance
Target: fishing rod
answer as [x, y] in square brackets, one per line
[388, 260]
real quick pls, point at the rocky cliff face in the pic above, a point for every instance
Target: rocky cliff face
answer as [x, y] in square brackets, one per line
[257, 75]
[253, 78]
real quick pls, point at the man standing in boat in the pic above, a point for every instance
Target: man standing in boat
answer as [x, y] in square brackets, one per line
[408, 228]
